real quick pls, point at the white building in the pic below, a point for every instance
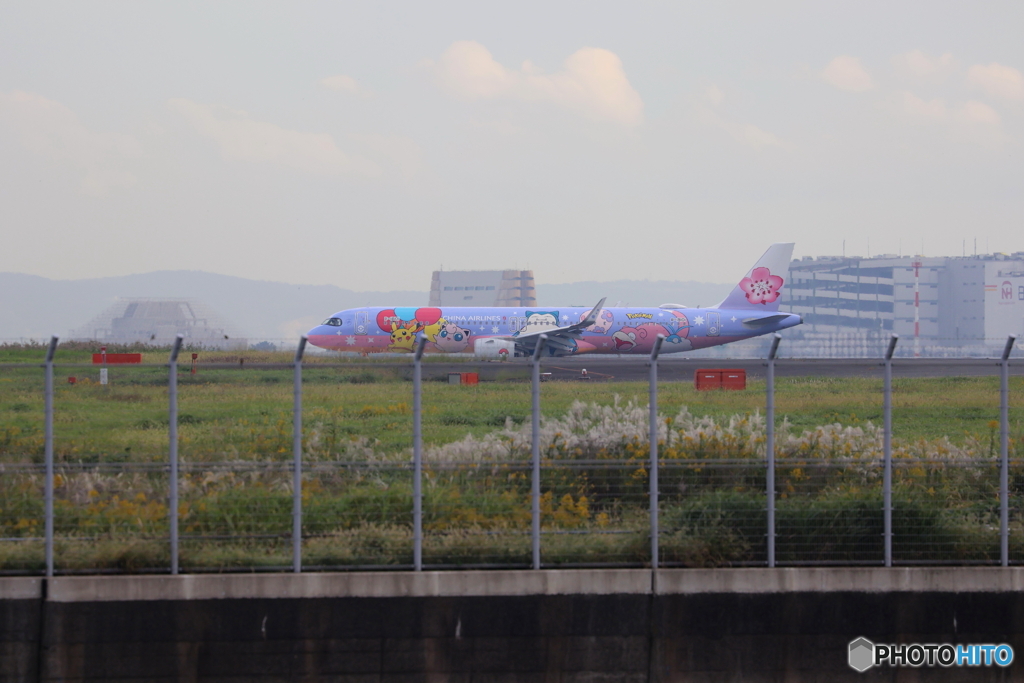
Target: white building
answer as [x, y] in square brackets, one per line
[157, 322]
[936, 305]
[483, 288]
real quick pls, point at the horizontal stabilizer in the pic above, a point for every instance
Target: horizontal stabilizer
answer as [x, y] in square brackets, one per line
[767, 320]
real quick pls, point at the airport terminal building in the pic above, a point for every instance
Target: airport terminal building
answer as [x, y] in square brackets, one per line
[937, 305]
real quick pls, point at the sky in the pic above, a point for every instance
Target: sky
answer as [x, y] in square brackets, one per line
[365, 145]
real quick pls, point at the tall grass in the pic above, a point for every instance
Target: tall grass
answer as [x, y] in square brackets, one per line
[235, 506]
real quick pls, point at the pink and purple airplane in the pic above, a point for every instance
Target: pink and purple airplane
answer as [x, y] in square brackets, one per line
[751, 309]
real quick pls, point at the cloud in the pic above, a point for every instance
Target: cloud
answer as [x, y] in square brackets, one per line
[750, 134]
[917, 64]
[243, 139]
[846, 73]
[591, 82]
[714, 94]
[51, 130]
[744, 133]
[997, 80]
[917, 107]
[395, 152]
[979, 112]
[969, 122]
[968, 114]
[346, 84]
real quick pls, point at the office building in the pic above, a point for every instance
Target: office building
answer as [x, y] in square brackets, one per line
[483, 288]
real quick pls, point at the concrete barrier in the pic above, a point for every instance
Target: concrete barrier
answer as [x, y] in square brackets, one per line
[355, 584]
[519, 583]
[594, 625]
[21, 610]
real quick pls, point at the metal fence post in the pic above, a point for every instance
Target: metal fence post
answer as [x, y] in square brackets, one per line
[48, 431]
[887, 446]
[297, 459]
[1004, 454]
[535, 452]
[653, 403]
[172, 424]
[417, 455]
[769, 414]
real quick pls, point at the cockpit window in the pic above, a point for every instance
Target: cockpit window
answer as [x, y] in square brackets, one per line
[333, 322]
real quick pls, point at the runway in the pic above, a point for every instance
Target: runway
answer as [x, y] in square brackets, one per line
[620, 369]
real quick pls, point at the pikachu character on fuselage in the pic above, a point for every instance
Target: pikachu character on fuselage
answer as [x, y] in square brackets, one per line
[403, 337]
[431, 331]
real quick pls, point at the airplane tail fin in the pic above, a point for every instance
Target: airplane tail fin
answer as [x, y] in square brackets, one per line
[761, 288]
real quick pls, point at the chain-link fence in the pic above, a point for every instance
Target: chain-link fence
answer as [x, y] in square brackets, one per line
[111, 502]
[233, 516]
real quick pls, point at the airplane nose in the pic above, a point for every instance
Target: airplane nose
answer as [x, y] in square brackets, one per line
[321, 331]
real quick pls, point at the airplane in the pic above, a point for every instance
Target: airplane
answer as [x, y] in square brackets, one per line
[750, 310]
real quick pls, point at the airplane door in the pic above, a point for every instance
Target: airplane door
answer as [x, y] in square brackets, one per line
[714, 324]
[362, 322]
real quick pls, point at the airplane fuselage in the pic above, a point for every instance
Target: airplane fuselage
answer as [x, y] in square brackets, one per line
[617, 330]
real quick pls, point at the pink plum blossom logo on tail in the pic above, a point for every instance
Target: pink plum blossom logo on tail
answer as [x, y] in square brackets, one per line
[761, 287]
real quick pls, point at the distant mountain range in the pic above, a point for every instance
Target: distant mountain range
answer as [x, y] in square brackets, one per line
[33, 307]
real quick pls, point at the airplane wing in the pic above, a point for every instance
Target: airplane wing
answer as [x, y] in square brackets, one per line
[559, 337]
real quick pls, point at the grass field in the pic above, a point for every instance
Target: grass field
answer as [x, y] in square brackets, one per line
[247, 413]
[236, 438]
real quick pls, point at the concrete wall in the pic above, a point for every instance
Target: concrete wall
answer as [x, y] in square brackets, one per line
[21, 610]
[604, 625]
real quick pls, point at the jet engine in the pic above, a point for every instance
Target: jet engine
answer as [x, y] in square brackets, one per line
[494, 349]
